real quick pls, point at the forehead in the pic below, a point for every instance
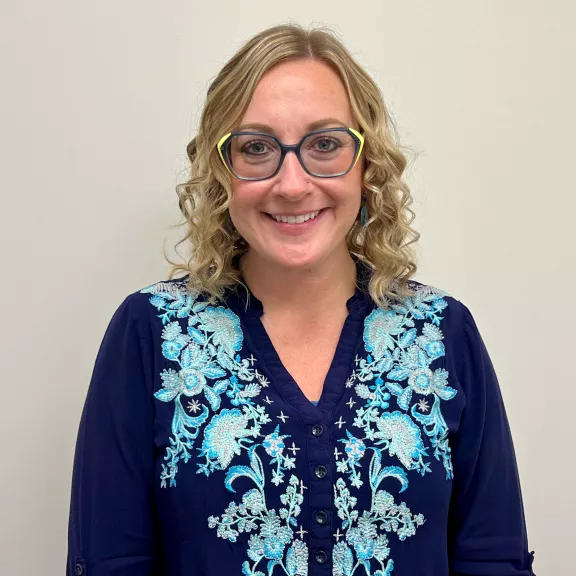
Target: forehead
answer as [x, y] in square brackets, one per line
[293, 95]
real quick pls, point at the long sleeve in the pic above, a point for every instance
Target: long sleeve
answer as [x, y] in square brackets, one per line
[487, 532]
[111, 525]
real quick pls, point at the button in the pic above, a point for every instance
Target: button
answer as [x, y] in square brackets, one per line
[321, 517]
[317, 430]
[321, 471]
[78, 569]
[321, 557]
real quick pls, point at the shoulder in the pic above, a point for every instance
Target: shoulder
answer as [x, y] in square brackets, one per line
[158, 303]
[437, 306]
[454, 323]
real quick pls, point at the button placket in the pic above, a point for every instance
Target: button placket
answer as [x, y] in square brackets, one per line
[320, 494]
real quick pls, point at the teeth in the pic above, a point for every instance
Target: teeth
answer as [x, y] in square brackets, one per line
[296, 219]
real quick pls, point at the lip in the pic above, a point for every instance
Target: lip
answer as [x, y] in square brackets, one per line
[302, 213]
[296, 229]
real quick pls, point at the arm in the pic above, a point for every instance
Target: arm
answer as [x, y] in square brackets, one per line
[111, 526]
[487, 532]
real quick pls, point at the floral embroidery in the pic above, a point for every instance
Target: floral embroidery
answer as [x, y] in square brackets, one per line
[398, 364]
[402, 438]
[275, 530]
[210, 367]
[362, 532]
[396, 354]
[353, 450]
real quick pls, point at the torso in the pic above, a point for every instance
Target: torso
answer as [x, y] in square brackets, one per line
[306, 348]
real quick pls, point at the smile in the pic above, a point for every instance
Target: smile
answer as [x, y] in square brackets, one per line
[295, 219]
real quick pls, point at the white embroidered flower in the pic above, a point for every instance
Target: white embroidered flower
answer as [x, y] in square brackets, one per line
[401, 436]
[194, 406]
[423, 405]
[225, 326]
[222, 435]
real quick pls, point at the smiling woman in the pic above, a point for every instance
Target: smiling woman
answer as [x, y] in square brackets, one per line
[295, 404]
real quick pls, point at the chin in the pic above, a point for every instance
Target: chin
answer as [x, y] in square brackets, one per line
[297, 259]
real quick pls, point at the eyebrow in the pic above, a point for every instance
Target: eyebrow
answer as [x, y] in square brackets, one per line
[317, 124]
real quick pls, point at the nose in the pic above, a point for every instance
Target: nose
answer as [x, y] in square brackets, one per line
[292, 178]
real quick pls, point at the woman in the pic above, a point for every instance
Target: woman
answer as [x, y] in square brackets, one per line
[295, 404]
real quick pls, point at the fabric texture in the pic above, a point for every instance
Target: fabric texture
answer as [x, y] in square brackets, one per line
[198, 454]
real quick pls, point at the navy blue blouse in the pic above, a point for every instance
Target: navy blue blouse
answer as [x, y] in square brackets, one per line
[199, 455]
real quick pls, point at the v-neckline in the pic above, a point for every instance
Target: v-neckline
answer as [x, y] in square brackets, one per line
[342, 363]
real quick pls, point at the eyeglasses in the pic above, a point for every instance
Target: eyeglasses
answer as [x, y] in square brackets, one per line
[326, 153]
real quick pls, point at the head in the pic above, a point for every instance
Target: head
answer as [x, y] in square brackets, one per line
[288, 82]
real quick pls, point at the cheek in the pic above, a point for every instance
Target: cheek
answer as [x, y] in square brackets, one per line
[243, 194]
[349, 191]
[246, 197]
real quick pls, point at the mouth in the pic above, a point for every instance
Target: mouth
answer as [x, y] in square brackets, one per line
[296, 225]
[295, 220]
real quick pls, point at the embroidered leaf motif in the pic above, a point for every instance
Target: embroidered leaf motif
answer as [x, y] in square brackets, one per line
[399, 373]
[213, 371]
[166, 394]
[374, 468]
[199, 306]
[213, 398]
[407, 339]
[343, 560]
[236, 471]
[196, 335]
[404, 399]
[396, 389]
[256, 463]
[297, 559]
[393, 472]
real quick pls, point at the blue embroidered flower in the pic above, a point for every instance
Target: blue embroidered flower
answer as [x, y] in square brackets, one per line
[173, 331]
[354, 447]
[222, 437]
[192, 382]
[171, 349]
[363, 538]
[435, 349]
[425, 382]
[379, 328]
[401, 437]
[225, 326]
[273, 548]
[274, 444]
[421, 381]
[158, 302]
[254, 501]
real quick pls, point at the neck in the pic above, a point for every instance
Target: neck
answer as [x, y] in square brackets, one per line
[309, 290]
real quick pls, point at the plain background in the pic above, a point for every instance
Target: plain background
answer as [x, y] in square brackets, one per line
[99, 101]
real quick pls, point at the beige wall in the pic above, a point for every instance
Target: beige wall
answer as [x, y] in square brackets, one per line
[99, 101]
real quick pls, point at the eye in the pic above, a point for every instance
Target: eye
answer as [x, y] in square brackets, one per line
[255, 147]
[326, 144]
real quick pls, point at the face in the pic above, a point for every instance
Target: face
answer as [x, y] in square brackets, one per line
[288, 100]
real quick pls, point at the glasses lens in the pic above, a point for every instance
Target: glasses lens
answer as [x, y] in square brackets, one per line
[328, 153]
[253, 156]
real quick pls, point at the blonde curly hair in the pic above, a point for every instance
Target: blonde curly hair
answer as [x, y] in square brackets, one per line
[384, 243]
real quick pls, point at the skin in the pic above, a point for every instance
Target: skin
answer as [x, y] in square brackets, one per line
[311, 273]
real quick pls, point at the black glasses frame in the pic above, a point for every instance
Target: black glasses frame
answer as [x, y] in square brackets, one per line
[225, 141]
